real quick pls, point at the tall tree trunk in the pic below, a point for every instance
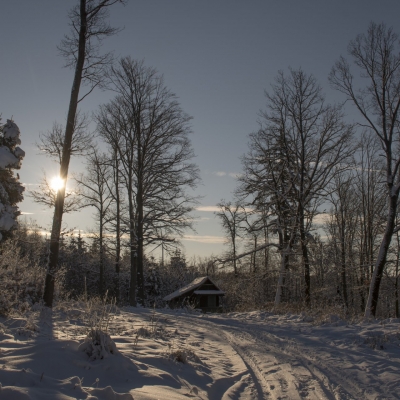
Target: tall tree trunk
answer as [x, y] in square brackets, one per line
[306, 262]
[101, 245]
[282, 275]
[373, 295]
[286, 246]
[117, 228]
[133, 249]
[266, 250]
[343, 258]
[396, 293]
[140, 214]
[140, 255]
[254, 255]
[234, 256]
[65, 158]
[396, 283]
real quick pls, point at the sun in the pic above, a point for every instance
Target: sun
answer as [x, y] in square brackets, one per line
[56, 183]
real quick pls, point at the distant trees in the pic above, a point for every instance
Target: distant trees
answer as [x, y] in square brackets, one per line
[377, 58]
[147, 129]
[10, 188]
[81, 51]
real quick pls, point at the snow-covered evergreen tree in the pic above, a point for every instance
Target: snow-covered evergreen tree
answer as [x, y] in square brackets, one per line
[10, 188]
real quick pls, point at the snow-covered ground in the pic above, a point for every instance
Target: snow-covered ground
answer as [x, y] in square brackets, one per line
[178, 355]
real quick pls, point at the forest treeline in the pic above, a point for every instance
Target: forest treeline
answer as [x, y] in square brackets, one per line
[314, 221]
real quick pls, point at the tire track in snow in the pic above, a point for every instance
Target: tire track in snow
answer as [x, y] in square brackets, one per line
[256, 374]
[278, 380]
[293, 375]
[334, 382]
[295, 365]
[260, 384]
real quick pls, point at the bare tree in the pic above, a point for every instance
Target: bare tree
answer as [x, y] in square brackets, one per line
[252, 228]
[52, 142]
[95, 192]
[116, 211]
[376, 55]
[149, 130]
[266, 183]
[394, 274]
[89, 26]
[230, 216]
[302, 144]
[344, 218]
[371, 192]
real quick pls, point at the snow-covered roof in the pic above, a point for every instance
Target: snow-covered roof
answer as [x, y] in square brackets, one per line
[191, 286]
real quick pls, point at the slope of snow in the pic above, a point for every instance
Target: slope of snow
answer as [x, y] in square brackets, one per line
[167, 354]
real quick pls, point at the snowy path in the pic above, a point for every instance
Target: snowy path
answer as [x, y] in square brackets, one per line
[307, 363]
[238, 356]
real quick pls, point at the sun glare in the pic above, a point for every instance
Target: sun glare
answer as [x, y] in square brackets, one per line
[57, 183]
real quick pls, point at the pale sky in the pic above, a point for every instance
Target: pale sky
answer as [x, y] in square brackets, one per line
[218, 56]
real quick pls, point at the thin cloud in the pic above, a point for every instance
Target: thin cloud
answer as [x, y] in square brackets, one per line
[205, 239]
[200, 219]
[217, 209]
[321, 218]
[230, 174]
[219, 173]
[208, 208]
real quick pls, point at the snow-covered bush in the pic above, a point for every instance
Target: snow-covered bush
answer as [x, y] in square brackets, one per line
[183, 355]
[98, 315]
[98, 345]
[10, 187]
[21, 280]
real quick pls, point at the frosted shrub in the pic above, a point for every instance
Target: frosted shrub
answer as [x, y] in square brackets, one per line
[21, 280]
[182, 355]
[98, 345]
[155, 328]
[97, 316]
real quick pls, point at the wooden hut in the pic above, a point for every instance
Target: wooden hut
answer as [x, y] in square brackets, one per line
[202, 294]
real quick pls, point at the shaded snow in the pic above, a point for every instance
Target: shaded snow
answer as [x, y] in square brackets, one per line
[7, 219]
[19, 152]
[252, 355]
